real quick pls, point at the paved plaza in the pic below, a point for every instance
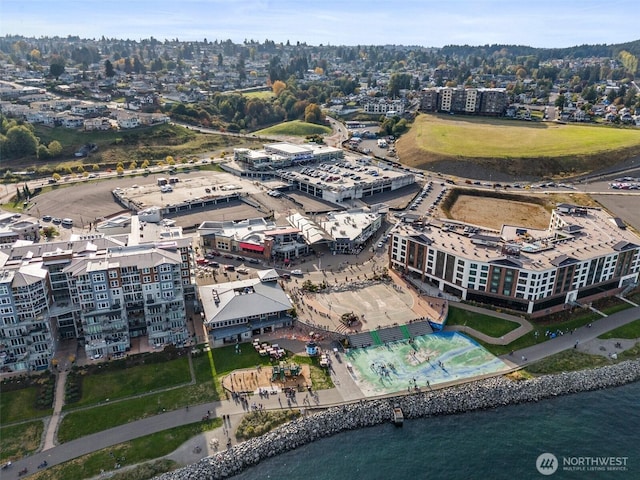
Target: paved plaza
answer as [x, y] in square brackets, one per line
[421, 362]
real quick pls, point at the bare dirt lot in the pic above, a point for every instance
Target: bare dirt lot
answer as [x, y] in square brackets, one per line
[495, 212]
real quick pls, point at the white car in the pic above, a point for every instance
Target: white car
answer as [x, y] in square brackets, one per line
[296, 272]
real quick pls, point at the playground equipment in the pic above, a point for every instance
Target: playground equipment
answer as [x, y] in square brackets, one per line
[283, 371]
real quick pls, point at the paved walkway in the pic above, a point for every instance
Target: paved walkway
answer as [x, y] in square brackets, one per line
[567, 341]
[54, 420]
[122, 433]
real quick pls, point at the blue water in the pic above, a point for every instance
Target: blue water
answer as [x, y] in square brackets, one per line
[497, 444]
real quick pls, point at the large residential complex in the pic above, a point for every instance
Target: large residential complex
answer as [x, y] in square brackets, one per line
[584, 254]
[480, 101]
[103, 291]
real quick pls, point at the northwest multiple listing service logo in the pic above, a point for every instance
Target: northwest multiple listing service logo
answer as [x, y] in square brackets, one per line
[548, 464]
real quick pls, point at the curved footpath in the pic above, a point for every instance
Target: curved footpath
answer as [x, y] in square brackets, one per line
[462, 396]
[479, 395]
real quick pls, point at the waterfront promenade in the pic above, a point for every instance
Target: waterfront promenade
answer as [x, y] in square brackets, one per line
[344, 392]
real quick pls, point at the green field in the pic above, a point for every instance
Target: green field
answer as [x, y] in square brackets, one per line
[150, 143]
[226, 359]
[577, 320]
[264, 95]
[493, 138]
[295, 128]
[492, 326]
[82, 422]
[114, 384]
[462, 143]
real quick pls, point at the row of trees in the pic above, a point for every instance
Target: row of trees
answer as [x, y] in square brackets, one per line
[18, 140]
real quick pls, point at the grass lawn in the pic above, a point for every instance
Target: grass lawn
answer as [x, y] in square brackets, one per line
[320, 377]
[129, 453]
[263, 95]
[496, 138]
[630, 330]
[136, 380]
[492, 326]
[567, 361]
[579, 319]
[17, 441]
[19, 405]
[616, 307]
[225, 359]
[295, 127]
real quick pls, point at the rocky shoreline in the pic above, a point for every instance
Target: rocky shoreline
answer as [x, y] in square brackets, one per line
[480, 395]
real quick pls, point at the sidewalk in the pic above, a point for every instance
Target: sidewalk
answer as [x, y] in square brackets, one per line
[122, 433]
[567, 341]
[54, 420]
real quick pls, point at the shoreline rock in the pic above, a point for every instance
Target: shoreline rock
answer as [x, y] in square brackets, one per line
[479, 395]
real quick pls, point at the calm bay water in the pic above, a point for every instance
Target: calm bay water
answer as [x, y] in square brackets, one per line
[498, 444]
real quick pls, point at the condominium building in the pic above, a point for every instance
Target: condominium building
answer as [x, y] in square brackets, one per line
[583, 254]
[480, 101]
[103, 291]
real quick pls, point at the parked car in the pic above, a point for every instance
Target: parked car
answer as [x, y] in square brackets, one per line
[229, 268]
[297, 272]
[46, 218]
[242, 270]
[285, 276]
[56, 220]
[253, 260]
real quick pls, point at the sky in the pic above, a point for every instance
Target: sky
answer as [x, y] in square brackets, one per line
[428, 23]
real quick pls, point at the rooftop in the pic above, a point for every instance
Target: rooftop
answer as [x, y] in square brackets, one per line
[530, 248]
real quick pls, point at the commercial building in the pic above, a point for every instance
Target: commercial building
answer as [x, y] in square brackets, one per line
[350, 230]
[15, 227]
[582, 255]
[282, 155]
[236, 311]
[343, 181]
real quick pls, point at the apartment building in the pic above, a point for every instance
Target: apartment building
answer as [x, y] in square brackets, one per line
[103, 291]
[583, 254]
[472, 101]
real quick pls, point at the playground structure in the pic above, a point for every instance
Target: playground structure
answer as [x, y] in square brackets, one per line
[280, 373]
[255, 380]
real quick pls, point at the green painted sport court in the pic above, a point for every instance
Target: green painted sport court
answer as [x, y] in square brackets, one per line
[426, 360]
